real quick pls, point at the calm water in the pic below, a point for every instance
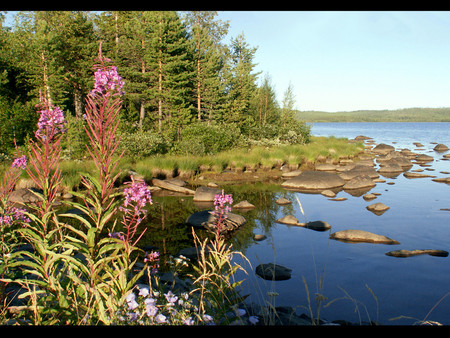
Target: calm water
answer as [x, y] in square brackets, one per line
[353, 276]
[345, 273]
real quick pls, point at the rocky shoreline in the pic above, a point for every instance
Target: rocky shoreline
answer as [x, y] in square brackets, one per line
[356, 175]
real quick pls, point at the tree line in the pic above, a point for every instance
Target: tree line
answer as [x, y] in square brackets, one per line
[178, 73]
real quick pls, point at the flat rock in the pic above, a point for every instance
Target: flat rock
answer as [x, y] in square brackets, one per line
[377, 208]
[328, 193]
[314, 181]
[271, 271]
[204, 219]
[283, 201]
[409, 253]
[173, 185]
[244, 205]
[205, 194]
[361, 236]
[369, 197]
[416, 175]
[382, 149]
[359, 170]
[359, 182]
[289, 219]
[325, 167]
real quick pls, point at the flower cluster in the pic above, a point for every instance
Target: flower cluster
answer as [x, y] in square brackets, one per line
[138, 193]
[14, 215]
[155, 308]
[20, 162]
[153, 259]
[107, 81]
[220, 203]
[51, 121]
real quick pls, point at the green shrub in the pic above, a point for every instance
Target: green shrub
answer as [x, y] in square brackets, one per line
[203, 139]
[142, 144]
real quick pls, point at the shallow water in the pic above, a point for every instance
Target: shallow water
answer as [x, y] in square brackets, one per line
[355, 276]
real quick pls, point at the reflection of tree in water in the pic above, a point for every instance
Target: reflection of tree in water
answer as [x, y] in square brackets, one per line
[166, 221]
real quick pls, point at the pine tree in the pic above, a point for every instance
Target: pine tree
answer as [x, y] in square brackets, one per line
[169, 56]
[241, 81]
[206, 34]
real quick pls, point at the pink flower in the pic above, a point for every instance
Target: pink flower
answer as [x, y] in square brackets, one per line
[20, 162]
[221, 201]
[106, 81]
[138, 193]
[51, 120]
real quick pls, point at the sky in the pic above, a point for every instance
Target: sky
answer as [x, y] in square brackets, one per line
[350, 60]
[355, 60]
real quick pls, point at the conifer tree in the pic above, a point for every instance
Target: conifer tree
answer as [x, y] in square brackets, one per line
[206, 34]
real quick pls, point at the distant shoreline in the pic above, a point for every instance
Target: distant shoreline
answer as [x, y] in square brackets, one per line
[398, 115]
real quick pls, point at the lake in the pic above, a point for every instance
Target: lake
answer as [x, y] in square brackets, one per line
[359, 279]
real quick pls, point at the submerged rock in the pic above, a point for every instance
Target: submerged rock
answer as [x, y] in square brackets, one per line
[361, 236]
[271, 271]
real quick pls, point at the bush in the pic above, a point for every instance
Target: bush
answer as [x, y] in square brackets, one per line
[142, 144]
[204, 139]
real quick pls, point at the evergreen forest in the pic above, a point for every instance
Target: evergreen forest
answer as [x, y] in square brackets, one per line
[186, 90]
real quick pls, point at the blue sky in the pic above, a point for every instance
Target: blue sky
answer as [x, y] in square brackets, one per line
[339, 61]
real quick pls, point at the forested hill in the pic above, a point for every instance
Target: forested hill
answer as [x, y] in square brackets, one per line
[399, 115]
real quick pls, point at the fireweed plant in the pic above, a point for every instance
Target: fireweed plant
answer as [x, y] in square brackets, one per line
[84, 272]
[214, 275]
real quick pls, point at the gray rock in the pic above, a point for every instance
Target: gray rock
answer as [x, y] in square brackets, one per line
[271, 271]
[205, 194]
[24, 196]
[383, 149]
[314, 181]
[361, 236]
[359, 182]
[204, 219]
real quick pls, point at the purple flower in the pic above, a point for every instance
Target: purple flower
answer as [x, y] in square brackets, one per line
[51, 120]
[138, 193]
[171, 298]
[221, 201]
[107, 81]
[20, 162]
[14, 215]
[160, 319]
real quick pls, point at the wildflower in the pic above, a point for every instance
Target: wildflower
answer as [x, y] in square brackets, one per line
[171, 298]
[153, 259]
[137, 192]
[253, 320]
[14, 215]
[161, 319]
[20, 162]
[207, 318]
[144, 291]
[220, 201]
[151, 310]
[239, 312]
[51, 121]
[107, 81]
[117, 235]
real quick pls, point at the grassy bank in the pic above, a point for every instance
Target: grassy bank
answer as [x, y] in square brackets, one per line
[187, 166]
